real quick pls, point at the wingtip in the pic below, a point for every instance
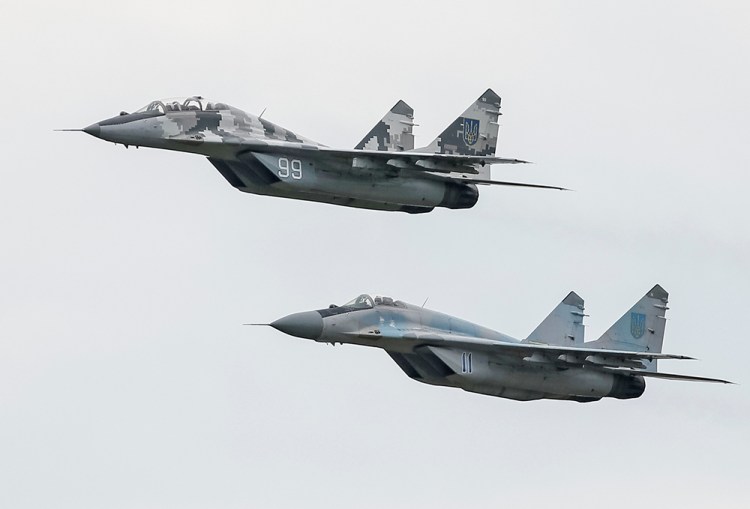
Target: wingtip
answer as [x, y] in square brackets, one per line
[676, 357]
[720, 381]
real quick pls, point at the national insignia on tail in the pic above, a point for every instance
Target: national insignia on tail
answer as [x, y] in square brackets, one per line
[471, 130]
[637, 325]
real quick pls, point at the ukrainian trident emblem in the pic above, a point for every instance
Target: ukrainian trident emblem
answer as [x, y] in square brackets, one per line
[637, 325]
[471, 131]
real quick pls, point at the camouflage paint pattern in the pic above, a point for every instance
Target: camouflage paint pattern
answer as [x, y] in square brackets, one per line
[257, 156]
[393, 133]
[457, 138]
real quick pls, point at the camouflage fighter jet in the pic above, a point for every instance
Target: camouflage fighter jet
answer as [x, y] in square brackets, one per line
[383, 172]
[552, 363]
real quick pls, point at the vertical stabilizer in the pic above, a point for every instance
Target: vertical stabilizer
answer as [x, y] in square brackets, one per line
[393, 133]
[641, 329]
[474, 132]
[563, 326]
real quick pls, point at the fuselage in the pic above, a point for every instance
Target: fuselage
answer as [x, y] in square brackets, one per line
[423, 343]
[259, 157]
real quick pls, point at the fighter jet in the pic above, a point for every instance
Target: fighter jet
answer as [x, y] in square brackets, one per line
[553, 362]
[383, 172]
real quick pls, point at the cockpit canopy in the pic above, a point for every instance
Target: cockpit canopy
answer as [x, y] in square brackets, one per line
[364, 301]
[192, 103]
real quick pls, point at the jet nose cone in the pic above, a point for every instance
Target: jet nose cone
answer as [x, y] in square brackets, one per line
[93, 130]
[308, 325]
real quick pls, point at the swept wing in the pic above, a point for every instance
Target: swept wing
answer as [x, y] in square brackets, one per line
[619, 361]
[446, 167]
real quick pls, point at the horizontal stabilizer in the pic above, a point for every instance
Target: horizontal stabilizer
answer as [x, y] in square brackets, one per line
[671, 376]
[486, 182]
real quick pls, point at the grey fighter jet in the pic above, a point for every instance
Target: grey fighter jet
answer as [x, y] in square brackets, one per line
[383, 172]
[552, 363]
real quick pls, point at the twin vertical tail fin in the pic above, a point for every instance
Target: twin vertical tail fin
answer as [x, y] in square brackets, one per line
[563, 326]
[641, 328]
[474, 132]
[639, 331]
[393, 133]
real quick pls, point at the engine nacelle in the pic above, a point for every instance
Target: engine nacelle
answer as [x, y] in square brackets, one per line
[627, 387]
[459, 196]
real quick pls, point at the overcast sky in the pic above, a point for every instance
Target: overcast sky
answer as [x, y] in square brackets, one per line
[126, 377]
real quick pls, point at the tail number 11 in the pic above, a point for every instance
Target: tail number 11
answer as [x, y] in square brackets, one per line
[294, 169]
[466, 364]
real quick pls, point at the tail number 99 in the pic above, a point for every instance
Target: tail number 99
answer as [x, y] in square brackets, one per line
[287, 170]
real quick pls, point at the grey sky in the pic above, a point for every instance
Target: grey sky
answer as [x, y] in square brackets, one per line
[126, 379]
